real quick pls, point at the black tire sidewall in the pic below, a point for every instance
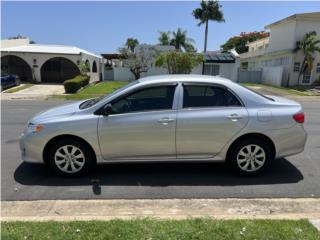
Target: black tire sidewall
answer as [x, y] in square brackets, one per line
[232, 157]
[89, 160]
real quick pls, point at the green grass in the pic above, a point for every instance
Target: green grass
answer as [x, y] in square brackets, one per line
[16, 89]
[162, 229]
[295, 90]
[93, 90]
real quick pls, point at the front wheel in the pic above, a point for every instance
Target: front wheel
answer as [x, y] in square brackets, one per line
[70, 157]
[250, 156]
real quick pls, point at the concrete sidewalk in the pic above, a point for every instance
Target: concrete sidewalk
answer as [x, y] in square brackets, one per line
[68, 210]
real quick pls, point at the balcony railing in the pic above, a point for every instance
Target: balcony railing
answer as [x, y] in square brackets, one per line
[254, 53]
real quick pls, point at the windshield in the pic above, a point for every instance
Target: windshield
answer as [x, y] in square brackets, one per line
[92, 102]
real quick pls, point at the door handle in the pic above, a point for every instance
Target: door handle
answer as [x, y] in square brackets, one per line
[165, 120]
[234, 117]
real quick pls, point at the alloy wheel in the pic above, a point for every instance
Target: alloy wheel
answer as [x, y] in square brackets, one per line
[69, 159]
[251, 158]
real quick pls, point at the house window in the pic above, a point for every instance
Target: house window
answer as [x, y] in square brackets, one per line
[306, 77]
[211, 69]
[318, 68]
[296, 67]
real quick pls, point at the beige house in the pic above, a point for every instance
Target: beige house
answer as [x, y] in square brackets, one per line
[46, 63]
[276, 55]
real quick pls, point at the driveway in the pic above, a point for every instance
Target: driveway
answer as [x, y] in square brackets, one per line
[294, 177]
[38, 91]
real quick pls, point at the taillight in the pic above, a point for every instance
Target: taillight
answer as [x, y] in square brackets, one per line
[299, 117]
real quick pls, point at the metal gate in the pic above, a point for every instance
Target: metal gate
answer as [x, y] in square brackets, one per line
[252, 76]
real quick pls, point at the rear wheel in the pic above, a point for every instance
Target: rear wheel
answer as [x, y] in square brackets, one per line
[250, 156]
[69, 157]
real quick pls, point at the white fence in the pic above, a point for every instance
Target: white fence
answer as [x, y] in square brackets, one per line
[265, 75]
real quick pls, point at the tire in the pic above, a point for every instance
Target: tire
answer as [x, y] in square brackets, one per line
[70, 157]
[250, 156]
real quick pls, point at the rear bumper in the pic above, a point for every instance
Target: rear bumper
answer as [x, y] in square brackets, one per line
[289, 141]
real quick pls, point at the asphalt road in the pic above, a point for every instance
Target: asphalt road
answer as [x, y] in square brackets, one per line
[296, 176]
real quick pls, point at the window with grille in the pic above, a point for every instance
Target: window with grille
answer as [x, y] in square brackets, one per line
[211, 69]
[296, 67]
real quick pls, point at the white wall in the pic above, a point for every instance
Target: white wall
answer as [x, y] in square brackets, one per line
[14, 42]
[122, 74]
[282, 37]
[272, 75]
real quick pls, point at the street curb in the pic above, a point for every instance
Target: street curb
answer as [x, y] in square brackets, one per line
[70, 210]
[315, 223]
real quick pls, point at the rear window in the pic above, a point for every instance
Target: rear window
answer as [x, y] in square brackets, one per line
[260, 94]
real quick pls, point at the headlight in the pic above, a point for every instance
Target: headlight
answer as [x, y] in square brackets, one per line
[34, 128]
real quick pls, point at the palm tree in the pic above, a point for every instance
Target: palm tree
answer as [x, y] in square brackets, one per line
[180, 40]
[131, 43]
[208, 11]
[308, 45]
[164, 38]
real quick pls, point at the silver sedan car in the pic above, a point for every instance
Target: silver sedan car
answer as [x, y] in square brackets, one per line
[167, 118]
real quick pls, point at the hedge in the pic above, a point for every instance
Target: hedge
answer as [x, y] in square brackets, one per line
[73, 85]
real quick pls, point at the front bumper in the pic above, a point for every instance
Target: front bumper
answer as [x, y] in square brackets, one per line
[31, 146]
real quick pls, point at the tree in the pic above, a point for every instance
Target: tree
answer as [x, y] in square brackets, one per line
[164, 38]
[84, 67]
[180, 40]
[239, 42]
[177, 62]
[138, 61]
[19, 36]
[309, 45]
[131, 43]
[208, 11]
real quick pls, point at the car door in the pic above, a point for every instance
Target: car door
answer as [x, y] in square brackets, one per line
[209, 116]
[141, 126]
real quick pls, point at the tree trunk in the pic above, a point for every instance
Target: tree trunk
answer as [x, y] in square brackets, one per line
[205, 44]
[206, 37]
[135, 73]
[302, 69]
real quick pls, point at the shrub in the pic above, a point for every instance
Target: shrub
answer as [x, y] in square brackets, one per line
[73, 85]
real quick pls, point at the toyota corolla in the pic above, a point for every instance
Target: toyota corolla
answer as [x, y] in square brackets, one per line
[167, 118]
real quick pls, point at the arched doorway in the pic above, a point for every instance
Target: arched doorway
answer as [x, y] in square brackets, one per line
[14, 65]
[94, 66]
[58, 69]
[88, 64]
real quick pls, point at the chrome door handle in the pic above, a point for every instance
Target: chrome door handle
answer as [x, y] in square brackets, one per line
[234, 117]
[165, 120]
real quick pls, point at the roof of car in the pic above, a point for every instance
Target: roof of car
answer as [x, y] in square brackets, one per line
[184, 78]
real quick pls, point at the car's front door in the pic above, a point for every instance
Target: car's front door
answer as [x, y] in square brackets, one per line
[141, 126]
[209, 117]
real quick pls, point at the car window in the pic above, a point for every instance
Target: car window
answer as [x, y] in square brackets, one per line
[148, 99]
[208, 96]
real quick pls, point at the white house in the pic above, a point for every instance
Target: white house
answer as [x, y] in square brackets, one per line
[220, 64]
[276, 55]
[46, 63]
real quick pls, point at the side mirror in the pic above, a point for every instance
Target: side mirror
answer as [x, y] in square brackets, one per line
[107, 109]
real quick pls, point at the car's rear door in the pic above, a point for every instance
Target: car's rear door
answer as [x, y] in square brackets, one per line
[142, 125]
[209, 116]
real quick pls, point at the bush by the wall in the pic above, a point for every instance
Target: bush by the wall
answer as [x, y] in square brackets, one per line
[73, 85]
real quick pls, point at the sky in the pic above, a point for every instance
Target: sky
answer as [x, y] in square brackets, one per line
[103, 27]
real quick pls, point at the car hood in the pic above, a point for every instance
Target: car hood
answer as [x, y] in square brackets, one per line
[56, 112]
